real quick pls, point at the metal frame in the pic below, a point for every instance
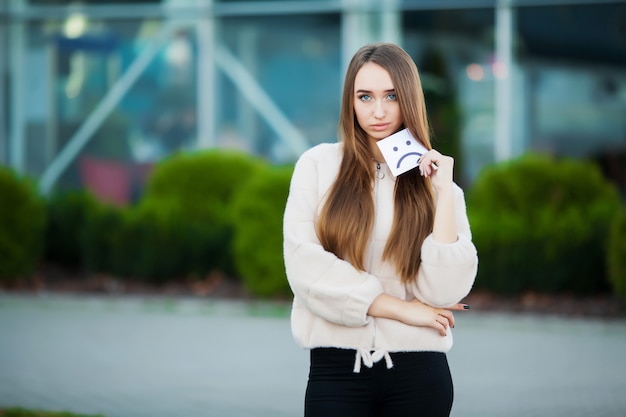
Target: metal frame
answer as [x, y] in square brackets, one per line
[503, 146]
[3, 62]
[16, 46]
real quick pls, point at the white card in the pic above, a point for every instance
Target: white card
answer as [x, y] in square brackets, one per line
[401, 151]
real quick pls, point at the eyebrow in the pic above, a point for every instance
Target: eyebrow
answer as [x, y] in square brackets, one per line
[392, 90]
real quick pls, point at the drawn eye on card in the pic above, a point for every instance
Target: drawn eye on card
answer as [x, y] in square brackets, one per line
[401, 151]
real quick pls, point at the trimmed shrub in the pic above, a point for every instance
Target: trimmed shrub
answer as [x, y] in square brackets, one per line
[157, 243]
[22, 225]
[181, 227]
[202, 183]
[102, 233]
[201, 186]
[540, 224]
[67, 217]
[616, 257]
[258, 209]
[501, 241]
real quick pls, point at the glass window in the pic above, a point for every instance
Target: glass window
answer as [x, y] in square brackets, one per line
[585, 34]
[453, 50]
[296, 61]
[152, 117]
[575, 61]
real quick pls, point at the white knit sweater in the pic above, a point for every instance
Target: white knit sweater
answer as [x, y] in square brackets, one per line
[331, 297]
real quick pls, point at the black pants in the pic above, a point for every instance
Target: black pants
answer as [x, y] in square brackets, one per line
[419, 384]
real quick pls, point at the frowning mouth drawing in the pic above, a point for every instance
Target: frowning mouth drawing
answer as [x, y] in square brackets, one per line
[406, 155]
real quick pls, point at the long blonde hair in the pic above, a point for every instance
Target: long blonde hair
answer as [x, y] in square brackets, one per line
[347, 217]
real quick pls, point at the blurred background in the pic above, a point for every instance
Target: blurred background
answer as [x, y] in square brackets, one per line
[146, 149]
[131, 82]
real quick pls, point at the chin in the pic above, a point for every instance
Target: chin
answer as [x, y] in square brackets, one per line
[381, 135]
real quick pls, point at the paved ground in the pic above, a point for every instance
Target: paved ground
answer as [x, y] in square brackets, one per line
[135, 357]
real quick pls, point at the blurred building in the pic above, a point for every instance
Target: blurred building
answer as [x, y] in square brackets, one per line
[88, 87]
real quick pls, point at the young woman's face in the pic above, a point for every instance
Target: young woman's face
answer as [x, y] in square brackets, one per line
[375, 102]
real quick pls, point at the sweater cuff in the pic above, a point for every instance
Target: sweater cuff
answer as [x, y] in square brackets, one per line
[358, 303]
[438, 254]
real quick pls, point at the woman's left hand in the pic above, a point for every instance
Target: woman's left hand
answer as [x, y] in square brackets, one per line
[438, 167]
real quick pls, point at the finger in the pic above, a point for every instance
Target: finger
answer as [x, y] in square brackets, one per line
[430, 168]
[449, 317]
[459, 306]
[441, 318]
[433, 167]
[425, 164]
[434, 160]
[440, 328]
[426, 169]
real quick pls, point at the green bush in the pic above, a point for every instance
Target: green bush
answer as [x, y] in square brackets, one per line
[180, 228]
[258, 211]
[22, 412]
[201, 185]
[132, 242]
[500, 240]
[156, 242]
[22, 225]
[540, 224]
[67, 217]
[617, 254]
[203, 182]
[102, 233]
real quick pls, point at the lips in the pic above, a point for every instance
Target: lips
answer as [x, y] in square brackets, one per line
[380, 126]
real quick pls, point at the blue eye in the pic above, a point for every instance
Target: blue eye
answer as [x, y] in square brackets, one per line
[392, 96]
[365, 97]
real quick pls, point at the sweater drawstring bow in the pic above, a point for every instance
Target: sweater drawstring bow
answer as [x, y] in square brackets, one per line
[369, 358]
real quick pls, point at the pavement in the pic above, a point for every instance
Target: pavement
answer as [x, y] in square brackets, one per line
[140, 357]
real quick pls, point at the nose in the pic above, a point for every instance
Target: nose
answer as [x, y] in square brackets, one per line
[379, 109]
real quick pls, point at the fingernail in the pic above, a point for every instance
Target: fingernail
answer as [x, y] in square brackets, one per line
[466, 307]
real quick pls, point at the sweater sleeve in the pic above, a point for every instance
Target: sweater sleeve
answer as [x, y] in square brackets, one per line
[329, 287]
[448, 270]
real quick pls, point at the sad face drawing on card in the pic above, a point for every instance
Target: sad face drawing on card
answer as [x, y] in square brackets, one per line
[402, 151]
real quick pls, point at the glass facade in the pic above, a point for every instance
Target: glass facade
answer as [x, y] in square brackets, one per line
[128, 84]
[296, 60]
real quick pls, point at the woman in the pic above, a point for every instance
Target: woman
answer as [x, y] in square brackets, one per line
[377, 263]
